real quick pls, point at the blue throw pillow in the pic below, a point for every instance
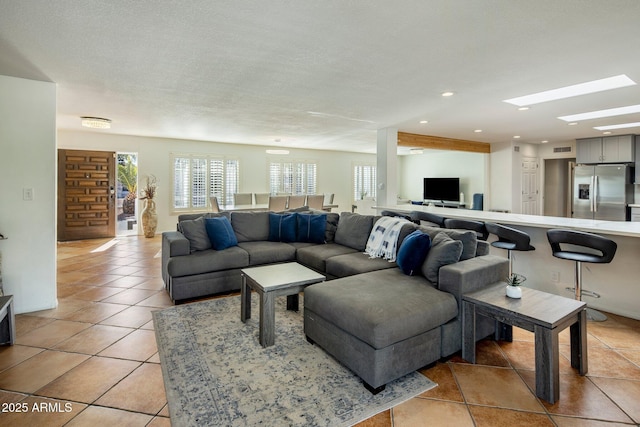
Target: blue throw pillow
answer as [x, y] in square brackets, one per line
[220, 233]
[311, 228]
[412, 252]
[282, 227]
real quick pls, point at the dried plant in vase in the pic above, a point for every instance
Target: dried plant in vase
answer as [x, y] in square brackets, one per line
[150, 188]
[149, 214]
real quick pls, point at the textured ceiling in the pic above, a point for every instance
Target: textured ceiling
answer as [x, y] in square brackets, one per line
[324, 74]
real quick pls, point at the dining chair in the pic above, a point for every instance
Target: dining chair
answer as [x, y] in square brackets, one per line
[262, 198]
[277, 203]
[315, 202]
[296, 202]
[213, 200]
[242, 198]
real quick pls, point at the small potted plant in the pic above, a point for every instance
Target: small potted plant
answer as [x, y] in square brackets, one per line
[514, 281]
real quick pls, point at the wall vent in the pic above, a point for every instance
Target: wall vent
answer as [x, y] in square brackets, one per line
[562, 149]
[516, 148]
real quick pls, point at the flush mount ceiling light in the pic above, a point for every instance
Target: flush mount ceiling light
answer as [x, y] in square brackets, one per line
[574, 90]
[424, 122]
[95, 122]
[620, 126]
[270, 151]
[478, 130]
[611, 112]
[447, 94]
[544, 141]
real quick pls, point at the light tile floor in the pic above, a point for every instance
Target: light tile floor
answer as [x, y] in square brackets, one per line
[93, 360]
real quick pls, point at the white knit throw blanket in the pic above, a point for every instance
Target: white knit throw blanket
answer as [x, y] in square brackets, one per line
[383, 240]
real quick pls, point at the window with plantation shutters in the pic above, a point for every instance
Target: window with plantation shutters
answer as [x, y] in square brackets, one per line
[364, 181]
[181, 186]
[198, 177]
[292, 177]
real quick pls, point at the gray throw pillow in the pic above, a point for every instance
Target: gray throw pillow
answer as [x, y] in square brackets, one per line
[468, 238]
[250, 226]
[444, 251]
[353, 230]
[195, 231]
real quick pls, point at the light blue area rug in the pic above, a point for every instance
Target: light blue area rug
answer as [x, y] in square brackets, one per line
[217, 374]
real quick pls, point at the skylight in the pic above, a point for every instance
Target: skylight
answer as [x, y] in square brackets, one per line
[611, 112]
[620, 126]
[574, 90]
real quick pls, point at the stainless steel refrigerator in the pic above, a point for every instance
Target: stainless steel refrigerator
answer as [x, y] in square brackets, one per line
[602, 192]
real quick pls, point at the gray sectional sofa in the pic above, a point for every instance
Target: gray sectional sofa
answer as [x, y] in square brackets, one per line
[376, 320]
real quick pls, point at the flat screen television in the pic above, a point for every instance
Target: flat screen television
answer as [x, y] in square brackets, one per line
[441, 189]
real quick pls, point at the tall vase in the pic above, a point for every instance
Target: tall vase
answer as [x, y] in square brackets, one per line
[149, 218]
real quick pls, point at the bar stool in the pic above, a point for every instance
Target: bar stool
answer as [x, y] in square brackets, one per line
[509, 239]
[417, 216]
[467, 224]
[590, 243]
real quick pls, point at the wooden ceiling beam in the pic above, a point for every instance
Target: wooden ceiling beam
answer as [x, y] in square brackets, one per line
[414, 140]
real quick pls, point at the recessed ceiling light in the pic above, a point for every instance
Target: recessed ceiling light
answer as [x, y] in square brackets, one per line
[270, 151]
[573, 90]
[611, 112]
[478, 130]
[95, 122]
[445, 94]
[620, 126]
[544, 141]
[516, 137]
[523, 108]
[423, 122]
[572, 123]
[607, 133]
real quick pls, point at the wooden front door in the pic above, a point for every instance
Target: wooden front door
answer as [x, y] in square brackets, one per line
[86, 194]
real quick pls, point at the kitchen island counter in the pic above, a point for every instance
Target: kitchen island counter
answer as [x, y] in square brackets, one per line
[617, 282]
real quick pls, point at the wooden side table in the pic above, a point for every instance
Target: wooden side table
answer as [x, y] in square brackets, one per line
[7, 320]
[544, 314]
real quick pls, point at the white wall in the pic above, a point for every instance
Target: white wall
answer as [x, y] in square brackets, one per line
[334, 172]
[469, 167]
[28, 160]
[501, 195]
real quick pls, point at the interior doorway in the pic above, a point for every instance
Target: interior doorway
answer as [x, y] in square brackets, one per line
[558, 187]
[127, 194]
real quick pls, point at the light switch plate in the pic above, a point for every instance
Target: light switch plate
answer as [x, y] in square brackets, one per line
[27, 194]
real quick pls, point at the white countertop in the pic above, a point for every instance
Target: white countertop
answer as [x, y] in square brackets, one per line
[634, 205]
[618, 228]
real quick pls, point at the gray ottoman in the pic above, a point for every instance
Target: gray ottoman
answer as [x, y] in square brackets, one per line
[381, 325]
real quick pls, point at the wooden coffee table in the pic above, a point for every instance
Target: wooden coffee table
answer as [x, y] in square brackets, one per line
[269, 282]
[544, 314]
